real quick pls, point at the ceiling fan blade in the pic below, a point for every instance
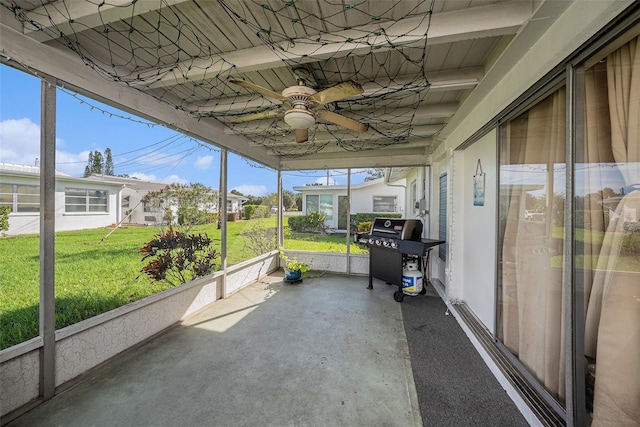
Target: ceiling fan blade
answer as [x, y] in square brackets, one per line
[257, 116]
[302, 135]
[337, 92]
[264, 91]
[329, 116]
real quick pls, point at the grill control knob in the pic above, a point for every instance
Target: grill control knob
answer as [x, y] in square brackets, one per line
[378, 242]
[394, 245]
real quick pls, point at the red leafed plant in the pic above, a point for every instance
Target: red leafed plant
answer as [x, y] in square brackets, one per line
[177, 257]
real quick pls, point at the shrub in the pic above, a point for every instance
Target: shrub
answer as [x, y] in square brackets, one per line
[262, 211]
[178, 257]
[630, 244]
[4, 218]
[247, 211]
[356, 219]
[364, 226]
[231, 216]
[259, 239]
[312, 222]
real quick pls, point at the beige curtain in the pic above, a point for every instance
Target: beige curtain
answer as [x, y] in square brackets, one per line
[532, 290]
[612, 330]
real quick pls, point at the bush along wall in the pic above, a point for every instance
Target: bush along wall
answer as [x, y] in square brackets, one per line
[311, 223]
[358, 218]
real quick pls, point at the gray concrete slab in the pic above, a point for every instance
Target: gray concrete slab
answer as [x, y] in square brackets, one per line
[326, 352]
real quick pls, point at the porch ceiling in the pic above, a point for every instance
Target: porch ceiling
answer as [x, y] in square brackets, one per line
[172, 61]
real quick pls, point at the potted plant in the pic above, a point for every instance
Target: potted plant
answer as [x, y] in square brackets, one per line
[293, 269]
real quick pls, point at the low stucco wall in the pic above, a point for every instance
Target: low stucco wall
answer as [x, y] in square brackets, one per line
[333, 262]
[85, 345]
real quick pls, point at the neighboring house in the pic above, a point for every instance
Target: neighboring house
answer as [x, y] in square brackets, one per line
[80, 203]
[133, 211]
[373, 196]
[235, 204]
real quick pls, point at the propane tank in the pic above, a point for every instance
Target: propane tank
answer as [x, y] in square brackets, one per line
[411, 278]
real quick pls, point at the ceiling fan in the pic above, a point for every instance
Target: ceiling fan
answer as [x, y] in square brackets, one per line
[301, 106]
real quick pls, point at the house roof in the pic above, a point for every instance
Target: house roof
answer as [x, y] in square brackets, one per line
[421, 66]
[12, 169]
[133, 183]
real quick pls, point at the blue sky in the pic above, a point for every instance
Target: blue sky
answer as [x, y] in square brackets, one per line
[140, 148]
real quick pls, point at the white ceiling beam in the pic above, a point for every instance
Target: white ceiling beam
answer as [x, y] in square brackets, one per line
[374, 142]
[499, 19]
[68, 17]
[461, 79]
[326, 137]
[386, 157]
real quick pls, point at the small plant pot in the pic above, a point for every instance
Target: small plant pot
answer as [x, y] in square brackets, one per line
[292, 275]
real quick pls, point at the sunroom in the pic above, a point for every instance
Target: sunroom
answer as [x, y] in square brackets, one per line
[485, 110]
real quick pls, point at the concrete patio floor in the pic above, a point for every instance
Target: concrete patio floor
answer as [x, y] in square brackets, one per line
[325, 352]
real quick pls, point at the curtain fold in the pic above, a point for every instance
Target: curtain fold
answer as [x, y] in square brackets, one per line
[532, 279]
[612, 330]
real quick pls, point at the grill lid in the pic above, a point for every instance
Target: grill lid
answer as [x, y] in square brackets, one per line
[397, 228]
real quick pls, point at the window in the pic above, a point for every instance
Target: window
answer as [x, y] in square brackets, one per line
[81, 200]
[607, 232]
[320, 203]
[532, 180]
[442, 221]
[20, 198]
[413, 206]
[384, 203]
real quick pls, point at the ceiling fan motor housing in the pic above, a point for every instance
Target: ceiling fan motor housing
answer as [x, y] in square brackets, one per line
[299, 116]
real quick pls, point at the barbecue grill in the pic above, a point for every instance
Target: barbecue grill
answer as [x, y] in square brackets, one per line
[392, 242]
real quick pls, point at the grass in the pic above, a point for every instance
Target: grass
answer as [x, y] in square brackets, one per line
[93, 277]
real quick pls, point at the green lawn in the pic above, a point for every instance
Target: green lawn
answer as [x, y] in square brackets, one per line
[93, 277]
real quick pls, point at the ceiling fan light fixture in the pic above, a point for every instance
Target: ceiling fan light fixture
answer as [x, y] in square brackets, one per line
[299, 119]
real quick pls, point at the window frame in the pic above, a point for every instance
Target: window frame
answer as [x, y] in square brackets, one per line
[88, 198]
[16, 202]
[395, 204]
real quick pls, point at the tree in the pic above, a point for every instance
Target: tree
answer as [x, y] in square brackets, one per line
[89, 167]
[108, 163]
[254, 200]
[374, 174]
[288, 199]
[98, 163]
[192, 204]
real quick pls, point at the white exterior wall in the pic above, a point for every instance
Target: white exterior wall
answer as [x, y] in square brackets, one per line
[29, 223]
[473, 231]
[361, 197]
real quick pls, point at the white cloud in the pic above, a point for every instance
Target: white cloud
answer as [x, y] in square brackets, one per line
[167, 179]
[252, 190]
[175, 179]
[203, 162]
[143, 176]
[19, 141]
[20, 144]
